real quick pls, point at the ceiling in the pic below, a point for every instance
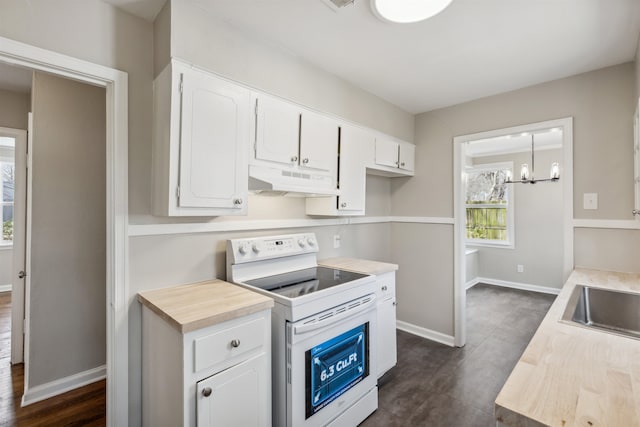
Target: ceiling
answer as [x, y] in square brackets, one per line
[473, 49]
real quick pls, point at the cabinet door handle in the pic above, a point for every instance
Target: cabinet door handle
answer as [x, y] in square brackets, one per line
[305, 161]
[402, 164]
[384, 288]
[395, 303]
[397, 163]
[206, 392]
[294, 158]
[237, 201]
[635, 212]
[343, 204]
[235, 343]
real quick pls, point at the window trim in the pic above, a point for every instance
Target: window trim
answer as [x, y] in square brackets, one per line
[510, 207]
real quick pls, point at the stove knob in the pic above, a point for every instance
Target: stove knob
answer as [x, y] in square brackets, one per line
[243, 248]
[302, 243]
[257, 247]
[310, 241]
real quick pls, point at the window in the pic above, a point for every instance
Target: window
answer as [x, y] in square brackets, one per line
[8, 181]
[489, 205]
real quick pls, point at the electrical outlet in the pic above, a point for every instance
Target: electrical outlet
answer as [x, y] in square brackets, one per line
[336, 241]
[590, 201]
[520, 268]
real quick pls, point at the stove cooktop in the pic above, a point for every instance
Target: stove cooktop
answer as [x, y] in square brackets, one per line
[298, 283]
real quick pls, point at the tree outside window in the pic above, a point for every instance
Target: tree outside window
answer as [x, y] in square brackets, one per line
[488, 205]
[7, 170]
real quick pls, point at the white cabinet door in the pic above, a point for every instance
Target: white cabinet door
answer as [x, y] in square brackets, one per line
[387, 353]
[277, 130]
[387, 152]
[213, 138]
[407, 157]
[352, 179]
[234, 397]
[318, 142]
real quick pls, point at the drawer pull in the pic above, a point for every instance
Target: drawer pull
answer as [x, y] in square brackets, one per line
[384, 288]
[235, 343]
[206, 392]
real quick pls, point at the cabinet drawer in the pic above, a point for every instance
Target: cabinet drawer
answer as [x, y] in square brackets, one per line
[228, 343]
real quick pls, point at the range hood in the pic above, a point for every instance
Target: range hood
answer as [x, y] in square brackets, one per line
[290, 182]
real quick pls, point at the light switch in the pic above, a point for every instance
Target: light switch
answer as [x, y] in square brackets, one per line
[590, 201]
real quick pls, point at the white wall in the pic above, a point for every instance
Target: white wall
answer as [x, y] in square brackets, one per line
[601, 103]
[538, 227]
[68, 247]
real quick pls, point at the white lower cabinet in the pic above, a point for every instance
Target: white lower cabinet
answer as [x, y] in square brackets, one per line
[233, 397]
[386, 295]
[218, 375]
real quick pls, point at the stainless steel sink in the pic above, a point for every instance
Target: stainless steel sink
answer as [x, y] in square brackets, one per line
[603, 309]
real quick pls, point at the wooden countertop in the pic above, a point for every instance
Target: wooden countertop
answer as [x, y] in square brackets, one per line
[198, 305]
[573, 376]
[359, 265]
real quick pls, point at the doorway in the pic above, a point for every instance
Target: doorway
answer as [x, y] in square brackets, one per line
[115, 83]
[13, 147]
[486, 229]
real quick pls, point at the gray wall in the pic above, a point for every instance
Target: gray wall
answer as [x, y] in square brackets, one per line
[68, 248]
[538, 227]
[14, 108]
[601, 103]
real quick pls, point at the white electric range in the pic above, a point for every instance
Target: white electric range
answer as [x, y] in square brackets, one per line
[324, 330]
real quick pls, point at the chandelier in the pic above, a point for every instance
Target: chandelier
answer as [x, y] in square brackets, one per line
[528, 176]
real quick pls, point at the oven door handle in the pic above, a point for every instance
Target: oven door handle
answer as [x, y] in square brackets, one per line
[302, 329]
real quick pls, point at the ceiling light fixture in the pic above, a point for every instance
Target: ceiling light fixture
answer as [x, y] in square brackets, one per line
[407, 11]
[528, 177]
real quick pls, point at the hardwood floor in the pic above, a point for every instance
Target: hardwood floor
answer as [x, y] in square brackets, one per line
[439, 386]
[85, 406]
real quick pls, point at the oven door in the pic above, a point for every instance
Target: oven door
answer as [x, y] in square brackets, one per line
[331, 362]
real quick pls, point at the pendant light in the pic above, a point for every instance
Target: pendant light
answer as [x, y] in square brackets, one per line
[528, 176]
[407, 11]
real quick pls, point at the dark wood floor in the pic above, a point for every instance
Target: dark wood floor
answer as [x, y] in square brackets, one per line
[85, 406]
[435, 385]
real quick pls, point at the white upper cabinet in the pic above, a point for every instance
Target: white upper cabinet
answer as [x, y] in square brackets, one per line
[392, 157]
[407, 154]
[200, 144]
[354, 142]
[318, 142]
[387, 152]
[277, 127]
[295, 149]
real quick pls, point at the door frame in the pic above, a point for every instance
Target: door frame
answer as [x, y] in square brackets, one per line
[566, 124]
[115, 83]
[17, 286]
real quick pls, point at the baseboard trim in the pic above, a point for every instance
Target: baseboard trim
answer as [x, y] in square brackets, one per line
[63, 385]
[425, 333]
[471, 283]
[516, 285]
[6, 288]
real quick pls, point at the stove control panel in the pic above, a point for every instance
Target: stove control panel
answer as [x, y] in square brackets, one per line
[259, 248]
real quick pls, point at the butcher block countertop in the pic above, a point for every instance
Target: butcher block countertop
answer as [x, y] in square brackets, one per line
[359, 265]
[573, 376]
[198, 305]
